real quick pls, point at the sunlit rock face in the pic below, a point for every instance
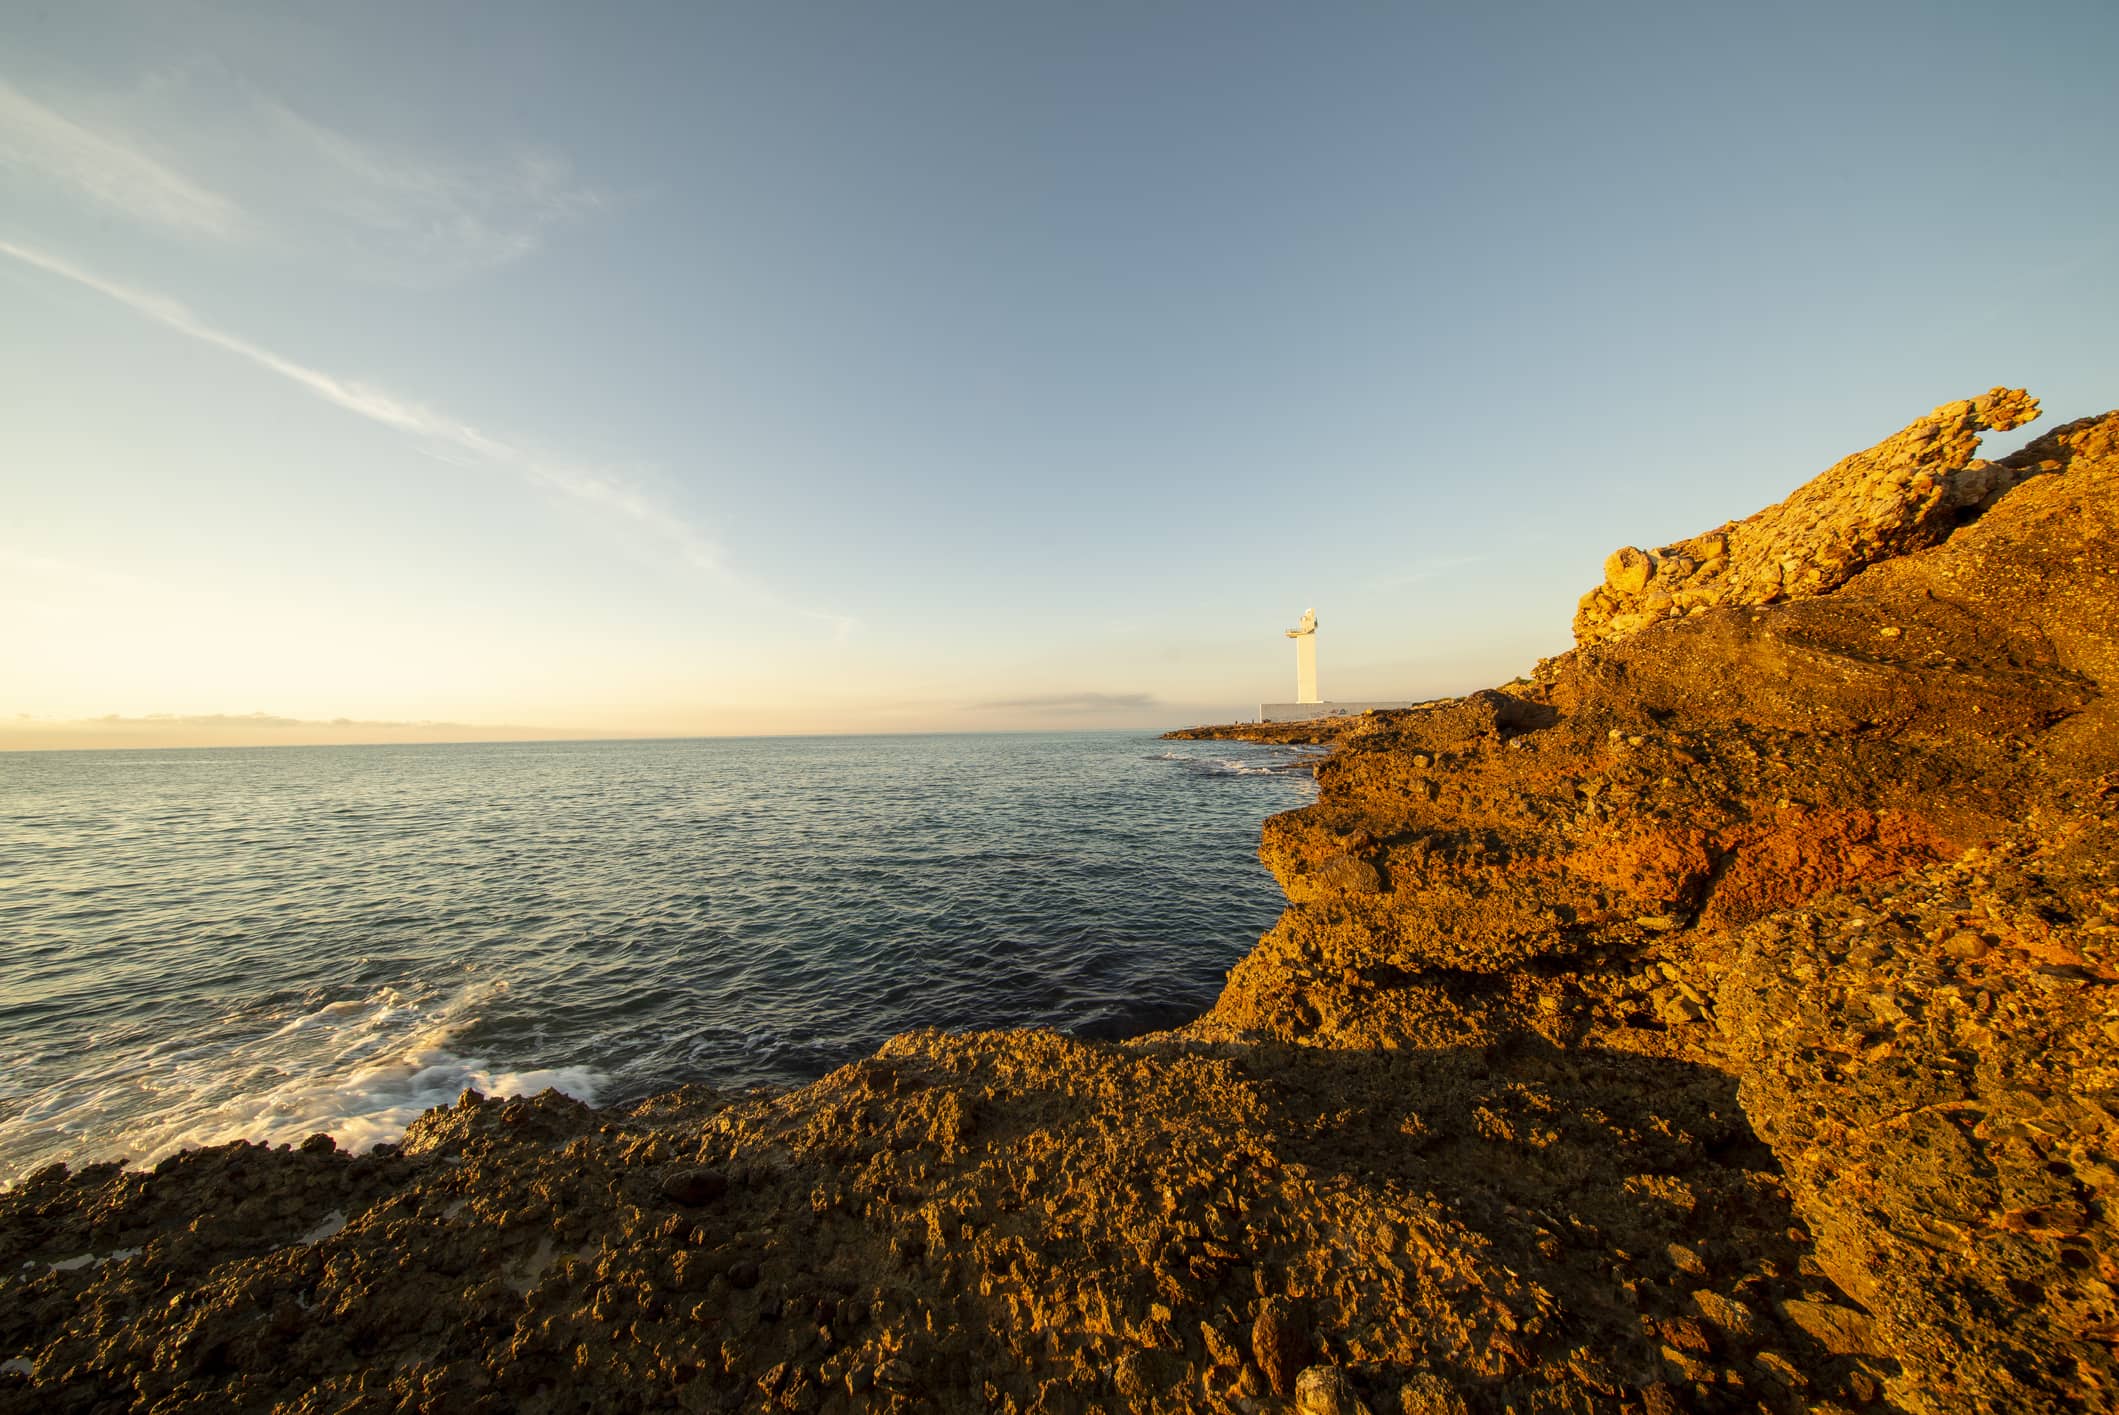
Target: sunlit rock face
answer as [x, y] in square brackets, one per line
[1910, 490]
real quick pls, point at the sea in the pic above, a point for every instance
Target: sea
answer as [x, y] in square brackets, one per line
[202, 945]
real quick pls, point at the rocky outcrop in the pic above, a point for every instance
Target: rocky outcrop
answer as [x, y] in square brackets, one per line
[991, 1222]
[1936, 1065]
[1315, 731]
[1719, 1021]
[1854, 849]
[1908, 491]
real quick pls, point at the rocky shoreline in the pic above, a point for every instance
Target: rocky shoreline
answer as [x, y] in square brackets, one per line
[1720, 1020]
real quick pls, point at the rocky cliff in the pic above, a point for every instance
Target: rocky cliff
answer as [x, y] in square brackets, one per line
[1721, 1020]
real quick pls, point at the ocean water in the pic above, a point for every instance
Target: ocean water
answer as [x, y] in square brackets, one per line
[201, 945]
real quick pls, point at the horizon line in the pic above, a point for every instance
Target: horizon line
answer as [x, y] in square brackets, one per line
[591, 740]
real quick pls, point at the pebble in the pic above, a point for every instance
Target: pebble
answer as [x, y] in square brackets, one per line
[1965, 944]
[1325, 1390]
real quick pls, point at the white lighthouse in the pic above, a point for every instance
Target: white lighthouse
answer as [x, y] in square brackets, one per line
[1305, 637]
[1308, 706]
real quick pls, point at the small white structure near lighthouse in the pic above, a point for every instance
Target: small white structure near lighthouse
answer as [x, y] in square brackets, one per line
[1307, 704]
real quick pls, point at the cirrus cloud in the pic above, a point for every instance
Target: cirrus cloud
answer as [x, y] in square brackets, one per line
[226, 162]
[449, 438]
[111, 169]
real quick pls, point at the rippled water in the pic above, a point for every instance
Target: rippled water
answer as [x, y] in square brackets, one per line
[203, 944]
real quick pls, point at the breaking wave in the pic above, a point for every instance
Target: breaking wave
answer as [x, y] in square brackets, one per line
[360, 1069]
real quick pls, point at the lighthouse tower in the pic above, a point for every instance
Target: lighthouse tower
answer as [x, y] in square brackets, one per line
[1305, 637]
[1308, 706]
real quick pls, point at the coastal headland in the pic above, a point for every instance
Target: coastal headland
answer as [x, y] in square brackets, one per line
[1720, 1019]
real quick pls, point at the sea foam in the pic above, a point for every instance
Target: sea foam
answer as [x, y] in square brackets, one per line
[357, 1069]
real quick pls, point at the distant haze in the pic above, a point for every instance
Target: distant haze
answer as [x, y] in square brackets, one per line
[921, 367]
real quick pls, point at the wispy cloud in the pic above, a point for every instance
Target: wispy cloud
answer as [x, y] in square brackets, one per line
[411, 418]
[441, 215]
[109, 167]
[1075, 703]
[452, 439]
[226, 161]
[439, 435]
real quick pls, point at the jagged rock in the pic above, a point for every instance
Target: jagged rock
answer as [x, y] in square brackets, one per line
[1908, 491]
[1354, 876]
[1842, 1331]
[1732, 1317]
[1428, 1394]
[1280, 1344]
[1133, 1378]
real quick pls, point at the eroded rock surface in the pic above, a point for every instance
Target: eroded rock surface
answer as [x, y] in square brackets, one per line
[1935, 1062]
[1721, 1021]
[1908, 491]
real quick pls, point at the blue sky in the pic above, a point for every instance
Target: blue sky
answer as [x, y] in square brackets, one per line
[904, 366]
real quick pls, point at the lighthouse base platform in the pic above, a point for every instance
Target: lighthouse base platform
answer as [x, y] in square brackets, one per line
[1310, 712]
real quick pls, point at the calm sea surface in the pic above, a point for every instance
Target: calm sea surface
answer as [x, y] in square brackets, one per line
[201, 945]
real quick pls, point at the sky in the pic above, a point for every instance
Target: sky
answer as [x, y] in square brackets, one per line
[411, 372]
